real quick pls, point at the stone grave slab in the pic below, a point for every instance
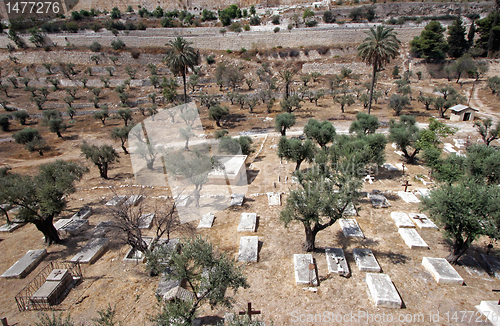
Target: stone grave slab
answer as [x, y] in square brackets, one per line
[135, 256]
[423, 192]
[305, 274]
[166, 283]
[491, 310]
[412, 238]
[62, 223]
[237, 199]
[83, 213]
[133, 200]
[442, 271]
[206, 221]
[335, 259]
[54, 287]
[422, 221]
[390, 167]
[10, 227]
[74, 227]
[116, 200]
[274, 199]
[383, 291]
[471, 266]
[249, 247]
[402, 220]
[146, 221]
[101, 229]
[91, 251]
[350, 210]
[378, 200]
[493, 264]
[26, 264]
[365, 260]
[248, 222]
[408, 197]
[350, 228]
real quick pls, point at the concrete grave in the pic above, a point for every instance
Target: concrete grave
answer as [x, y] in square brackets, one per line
[274, 199]
[83, 213]
[26, 264]
[408, 197]
[10, 227]
[365, 260]
[248, 222]
[422, 221]
[166, 283]
[402, 220]
[390, 167]
[62, 223]
[133, 200]
[206, 221]
[335, 259]
[178, 293]
[74, 227]
[378, 200]
[350, 210]
[471, 266]
[493, 264]
[91, 251]
[350, 228]
[101, 229]
[135, 256]
[249, 247]
[116, 200]
[491, 310]
[146, 221]
[56, 284]
[383, 291]
[237, 199]
[305, 270]
[412, 238]
[442, 271]
[423, 192]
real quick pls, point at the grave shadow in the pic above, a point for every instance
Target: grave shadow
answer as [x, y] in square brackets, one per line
[345, 242]
[259, 248]
[211, 320]
[251, 175]
[72, 137]
[232, 120]
[259, 158]
[393, 257]
[121, 176]
[257, 220]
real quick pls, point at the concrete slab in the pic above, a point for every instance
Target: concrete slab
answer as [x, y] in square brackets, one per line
[491, 310]
[390, 167]
[248, 222]
[402, 220]
[54, 287]
[383, 291]
[83, 213]
[116, 200]
[493, 264]
[305, 270]
[146, 221]
[26, 264]
[336, 262]
[91, 251]
[237, 199]
[422, 221]
[274, 199]
[365, 260]
[423, 192]
[74, 227]
[350, 228]
[412, 238]
[350, 210]
[408, 197]
[206, 221]
[62, 223]
[378, 200]
[101, 229]
[182, 200]
[249, 247]
[10, 227]
[133, 200]
[442, 271]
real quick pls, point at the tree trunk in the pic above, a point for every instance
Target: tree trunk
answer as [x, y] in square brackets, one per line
[40, 152]
[374, 72]
[217, 122]
[149, 164]
[297, 167]
[103, 170]
[186, 147]
[310, 239]
[283, 132]
[458, 251]
[49, 231]
[124, 148]
[59, 134]
[184, 82]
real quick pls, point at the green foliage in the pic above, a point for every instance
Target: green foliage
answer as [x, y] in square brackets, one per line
[485, 27]
[254, 20]
[95, 47]
[275, 19]
[291, 103]
[365, 124]
[405, 134]
[4, 122]
[216, 113]
[328, 17]
[101, 156]
[117, 44]
[31, 139]
[308, 13]
[115, 13]
[22, 116]
[296, 150]
[487, 130]
[181, 56]
[431, 44]
[125, 114]
[367, 12]
[322, 132]
[56, 320]
[220, 133]
[284, 121]
[57, 126]
[232, 146]
[464, 64]
[122, 135]
[106, 316]
[494, 84]
[456, 39]
[398, 103]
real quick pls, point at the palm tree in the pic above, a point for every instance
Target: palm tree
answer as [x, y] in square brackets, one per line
[378, 48]
[181, 56]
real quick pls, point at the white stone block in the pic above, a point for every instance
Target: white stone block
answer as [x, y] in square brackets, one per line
[336, 262]
[442, 271]
[249, 247]
[350, 228]
[305, 270]
[383, 291]
[402, 220]
[206, 221]
[422, 221]
[248, 222]
[412, 238]
[365, 260]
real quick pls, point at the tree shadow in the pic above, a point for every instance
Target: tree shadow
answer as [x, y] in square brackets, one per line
[346, 242]
[121, 176]
[393, 257]
[211, 320]
[72, 137]
[251, 175]
[232, 120]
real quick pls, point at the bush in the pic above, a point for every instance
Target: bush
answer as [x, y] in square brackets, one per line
[235, 27]
[210, 59]
[141, 26]
[130, 26]
[117, 44]
[328, 17]
[75, 15]
[4, 122]
[294, 53]
[135, 54]
[115, 13]
[167, 22]
[246, 27]
[311, 23]
[283, 54]
[95, 47]
[72, 27]
[254, 20]
[276, 29]
[322, 50]
[276, 19]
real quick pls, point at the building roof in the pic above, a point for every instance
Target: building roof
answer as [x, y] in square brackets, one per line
[460, 107]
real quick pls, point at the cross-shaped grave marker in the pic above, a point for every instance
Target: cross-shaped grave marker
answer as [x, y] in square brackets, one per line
[58, 272]
[420, 218]
[250, 312]
[406, 185]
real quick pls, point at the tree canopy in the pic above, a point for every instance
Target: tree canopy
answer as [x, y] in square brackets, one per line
[431, 44]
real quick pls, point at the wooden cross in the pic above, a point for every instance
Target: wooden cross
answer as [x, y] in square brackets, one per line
[420, 218]
[250, 312]
[406, 185]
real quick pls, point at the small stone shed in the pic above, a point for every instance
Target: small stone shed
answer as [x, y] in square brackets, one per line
[462, 112]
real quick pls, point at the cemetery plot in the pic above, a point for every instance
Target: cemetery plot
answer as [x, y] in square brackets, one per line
[350, 228]
[408, 197]
[146, 221]
[166, 283]
[206, 221]
[248, 222]
[422, 221]
[91, 251]
[237, 199]
[383, 291]
[136, 256]
[74, 227]
[58, 282]
[378, 200]
[83, 213]
[305, 270]
[133, 200]
[10, 227]
[274, 199]
[182, 200]
[412, 238]
[26, 264]
[249, 247]
[491, 310]
[116, 200]
[365, 260]
[335, 259]
[402, 220]
[442, 271]
[493, 264]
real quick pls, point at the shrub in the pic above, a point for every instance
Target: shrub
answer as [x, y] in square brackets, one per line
[117, 44]
[328, 17]
[141, 26]
[311, 23]
[276, 19]
[294, 53]
[95, 47]
[235, 27]
[210, 59]
[322, 50]
[246, 27]
[115, 13]
[72, 27]
[254, 20]
[283, 54]
[135, 54]
[276, 29]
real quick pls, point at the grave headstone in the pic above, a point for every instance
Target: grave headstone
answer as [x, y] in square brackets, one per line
[365, 260]
[400, 153]
[350, 228]
[369, 179]
[274, 199]
[305, 270]
[378, 200]
[408, 197]
[116, 200]
[74, 227]
[10, 227]
[91, 251]
[206, 221]
[491, 310]
[390, 167]
[423, 192]
[402, 220]
[178, 293]
[422, 221]
[493, 264]
[248, 222]
[350, 210]
[62, 223]
[133, 200]
[83, 213]
[146, 221]
[55, 285]
[249, 247]
[336, 262]
[166, 283]
[237, 199]
[412, 238]
[26, 264]
[383, 291]
[442, 271]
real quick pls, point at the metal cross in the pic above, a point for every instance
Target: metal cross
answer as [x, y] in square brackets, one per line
[420, 218]
[250, 312]
[406, 185]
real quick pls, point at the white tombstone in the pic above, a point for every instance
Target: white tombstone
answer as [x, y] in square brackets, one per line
[378, 200]
[74, 227]
[206, 221]
[412, 238]
[133, 200]
[305, 270]
[61, 223]
[249, 247]
[402, 220]
[237, 199]
[383, 291]
[116, 200]
[408, 197]
[422, 221]
[390, 167]
[91, 251]
[274, 199]
[146, 221]
[336, 262]
[248, 222]
[365, 260]
[423, 192]
[26, 264]
[491, 310]
[442, 271]
[9, 227]
[350, 228]
[83, 213]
